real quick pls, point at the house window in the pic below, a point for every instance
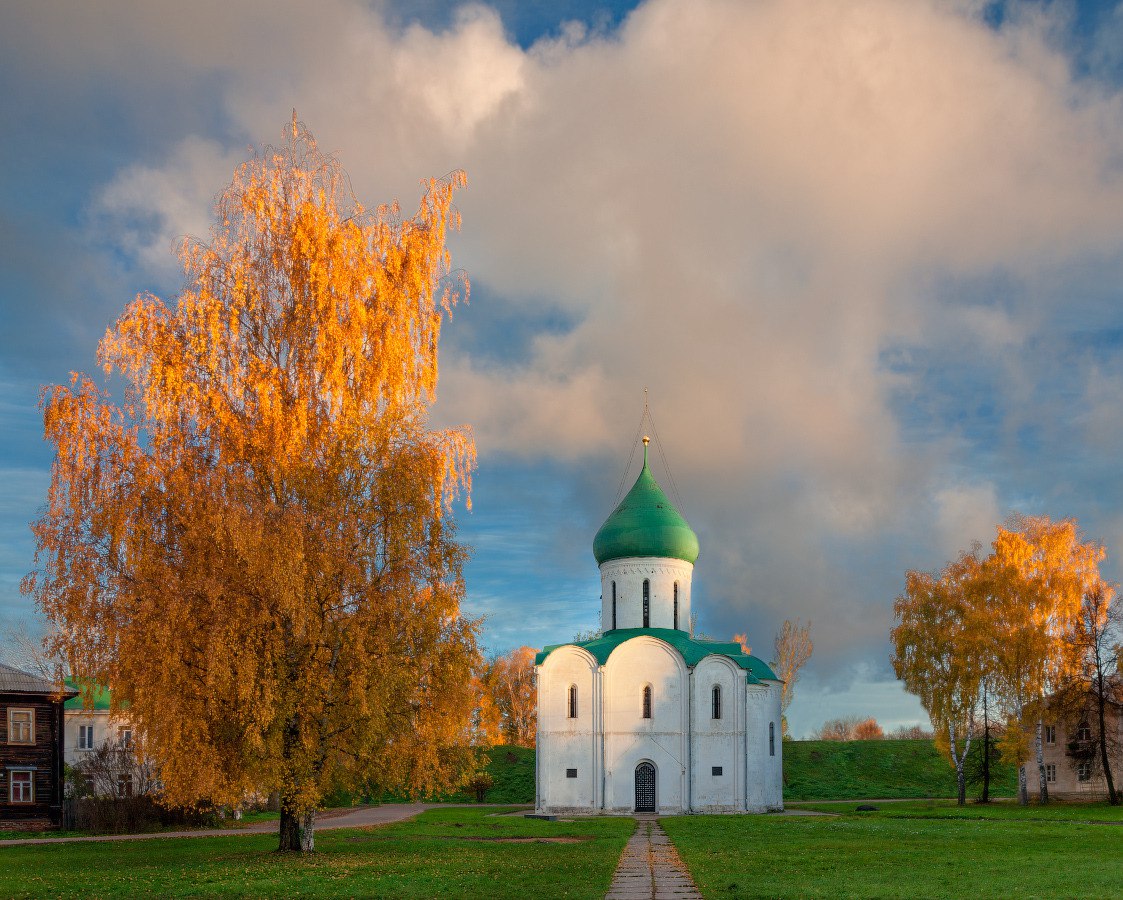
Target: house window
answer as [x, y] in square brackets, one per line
[21, 726]
[1050, 773]
[22, 786]
[1050, 734]
[646, 603]
[676, 609]
[647, 701]
[85, 737]
[771, 738]
[1084, 771]
[614, 606]
[715, 770]
[1084, 733]
[125, 736]
[124, 784]
[573, 701]
[570, 773]
[715, 702]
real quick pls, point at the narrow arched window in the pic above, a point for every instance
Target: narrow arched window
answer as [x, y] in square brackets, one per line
[647, 701]
[715, 701]
[573, 701]
[676, 605]
[614, 606]
[646, 603]
[771, 738]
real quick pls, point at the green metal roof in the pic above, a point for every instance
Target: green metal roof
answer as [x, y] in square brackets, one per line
[692, 650]
[645, 523]
[100, 696]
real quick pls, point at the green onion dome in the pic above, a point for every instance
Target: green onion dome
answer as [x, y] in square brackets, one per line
[645, 523]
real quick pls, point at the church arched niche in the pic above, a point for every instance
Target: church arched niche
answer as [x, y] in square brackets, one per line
[715, 702]
[572, 704]
[646, 787]
[647, 701]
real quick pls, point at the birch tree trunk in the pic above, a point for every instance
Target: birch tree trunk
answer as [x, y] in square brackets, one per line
[1112, 796]
[297, 831]
[1039, 750]
[960, 776]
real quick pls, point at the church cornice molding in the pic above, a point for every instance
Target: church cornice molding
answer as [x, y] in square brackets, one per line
[638, 568]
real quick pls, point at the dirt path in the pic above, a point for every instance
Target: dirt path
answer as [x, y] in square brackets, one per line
[332, 818]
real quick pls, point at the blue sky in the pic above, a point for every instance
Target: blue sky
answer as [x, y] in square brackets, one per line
[866, 256]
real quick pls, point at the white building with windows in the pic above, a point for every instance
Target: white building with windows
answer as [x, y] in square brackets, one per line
[99, 743]
[645, 718]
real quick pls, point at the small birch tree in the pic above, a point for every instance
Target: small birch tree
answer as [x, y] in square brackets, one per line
[793, 647]
[1094, 644]
[937, 653]
[508, 682]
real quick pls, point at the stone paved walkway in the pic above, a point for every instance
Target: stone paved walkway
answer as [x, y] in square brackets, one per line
[650, 867]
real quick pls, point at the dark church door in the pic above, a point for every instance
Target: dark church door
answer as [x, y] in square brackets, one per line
[645, 787]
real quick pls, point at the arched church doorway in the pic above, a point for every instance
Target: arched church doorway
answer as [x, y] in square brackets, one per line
[645, 787]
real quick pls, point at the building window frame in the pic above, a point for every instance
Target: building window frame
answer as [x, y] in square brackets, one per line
[715, 771]
[771, 738]
[1051, 773]
[572, 708]
[86, 737]
[1084, 732]
[1050, 734]
[21, 730]
[647, 603]
[125, 737]
[570, 773]
[647, 701]
[21, 785]
[1084, 771]
[124, 784]
[715, 702]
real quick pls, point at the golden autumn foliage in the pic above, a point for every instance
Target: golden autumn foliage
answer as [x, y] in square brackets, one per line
[254, 549]
[508, 711]
[938, 652]
[850, 728]
[996, 623]
[1035, 579]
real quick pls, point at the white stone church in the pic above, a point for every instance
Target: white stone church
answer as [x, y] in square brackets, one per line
[646, 718]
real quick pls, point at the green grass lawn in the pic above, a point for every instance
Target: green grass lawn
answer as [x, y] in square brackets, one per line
[907, 850]
[844, 770]
[511, 768]
[813, 770]
[444, 853]
[1056, 810]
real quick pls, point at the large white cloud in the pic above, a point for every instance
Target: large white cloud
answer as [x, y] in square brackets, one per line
[742, 206]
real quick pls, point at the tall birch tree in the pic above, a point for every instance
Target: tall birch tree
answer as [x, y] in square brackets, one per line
[254, 548]
[1036, 577]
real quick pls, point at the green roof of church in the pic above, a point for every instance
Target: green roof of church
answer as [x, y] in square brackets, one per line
[692, 650]
[645, 523]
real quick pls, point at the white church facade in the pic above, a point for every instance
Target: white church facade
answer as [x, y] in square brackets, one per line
[645, 718]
